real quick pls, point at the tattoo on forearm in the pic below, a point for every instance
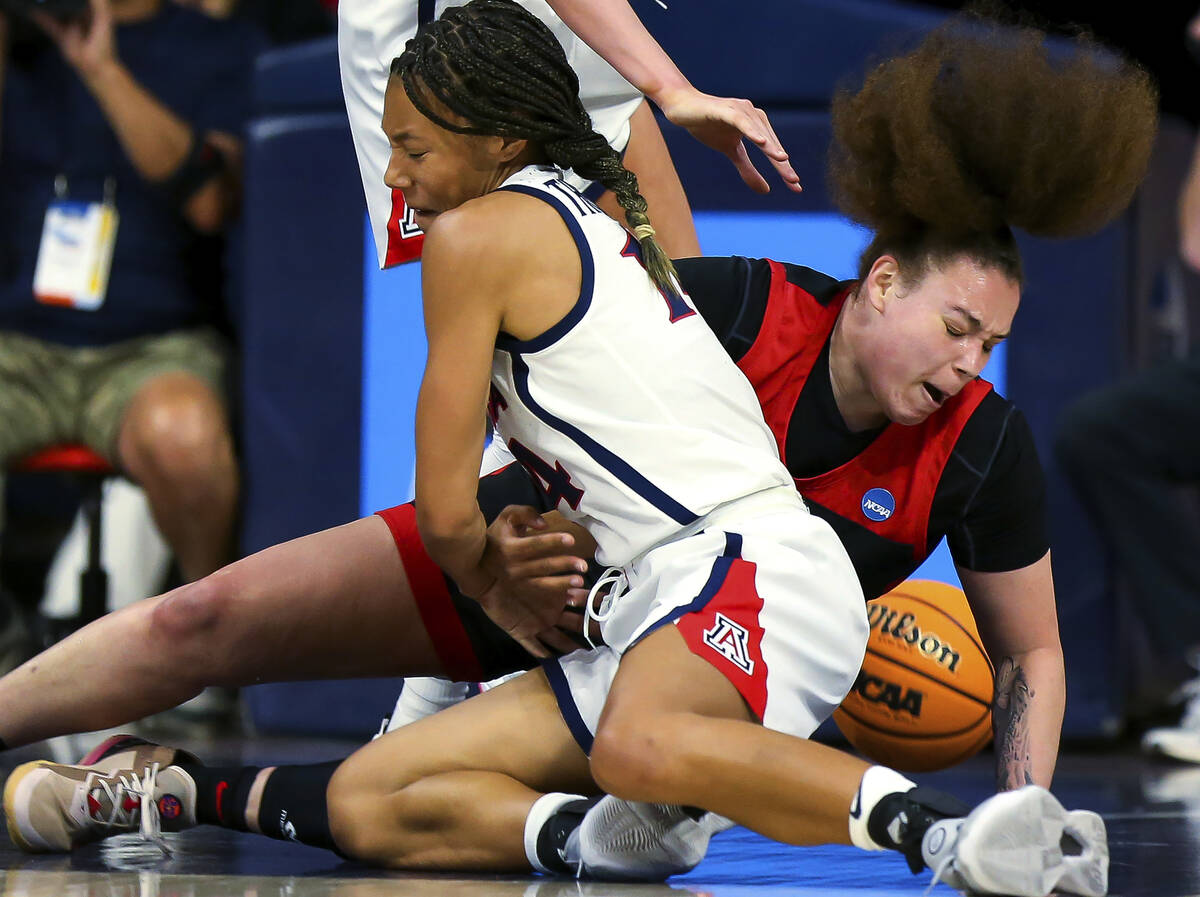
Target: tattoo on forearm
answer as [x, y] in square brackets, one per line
[1010, 727]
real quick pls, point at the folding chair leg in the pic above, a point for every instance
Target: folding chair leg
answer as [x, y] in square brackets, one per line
[93, 581]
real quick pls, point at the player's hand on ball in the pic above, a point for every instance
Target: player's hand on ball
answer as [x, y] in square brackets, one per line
[537, 569]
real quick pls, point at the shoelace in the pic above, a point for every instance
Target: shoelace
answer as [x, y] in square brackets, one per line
[149, 819]
[939, 872]
[614, 577]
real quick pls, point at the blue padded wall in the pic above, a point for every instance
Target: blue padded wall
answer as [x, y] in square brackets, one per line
[301, 327]
[781, 53]
[302, 344]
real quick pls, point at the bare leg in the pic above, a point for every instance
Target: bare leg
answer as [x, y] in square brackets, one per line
[646, 156]
[451, 791]
[439, 794]
[675, 731]
[174, 442]
[336, 604]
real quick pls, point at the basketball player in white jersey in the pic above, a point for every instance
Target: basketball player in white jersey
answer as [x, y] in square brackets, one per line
[373, 32]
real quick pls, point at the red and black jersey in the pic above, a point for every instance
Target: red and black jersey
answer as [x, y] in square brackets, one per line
[969, 472]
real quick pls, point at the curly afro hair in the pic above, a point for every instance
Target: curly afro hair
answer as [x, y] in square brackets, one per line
[982, 128]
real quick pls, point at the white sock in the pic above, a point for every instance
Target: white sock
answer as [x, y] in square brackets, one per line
[492, 683]
[877, 783]
[541, 811]
[423, 696]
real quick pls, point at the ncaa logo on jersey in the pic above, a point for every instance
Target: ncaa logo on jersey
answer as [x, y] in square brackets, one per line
[878, 504]
[732, 641]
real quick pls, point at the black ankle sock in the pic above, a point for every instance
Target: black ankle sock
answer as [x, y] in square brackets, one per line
[3, 745]
[552, 839]
[222, 793]
[900, 820]
[293, 806]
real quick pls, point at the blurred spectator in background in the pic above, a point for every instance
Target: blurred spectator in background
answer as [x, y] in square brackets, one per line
[1132, 450]
[120, 140]
[283, 21]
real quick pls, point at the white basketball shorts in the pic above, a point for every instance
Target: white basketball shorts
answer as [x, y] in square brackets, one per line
[765, 593]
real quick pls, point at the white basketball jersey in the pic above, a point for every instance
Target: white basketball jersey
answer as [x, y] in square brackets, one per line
[628, 410]
[371, 33]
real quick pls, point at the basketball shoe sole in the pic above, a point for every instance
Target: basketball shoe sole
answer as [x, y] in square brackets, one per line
[1085, 855]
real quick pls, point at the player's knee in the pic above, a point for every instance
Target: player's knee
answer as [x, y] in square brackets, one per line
[181, 441]
[631, 758]
[347, 809]
[193, 613]
[361, 817]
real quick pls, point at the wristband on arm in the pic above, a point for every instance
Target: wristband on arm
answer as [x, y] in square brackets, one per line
[202, 163]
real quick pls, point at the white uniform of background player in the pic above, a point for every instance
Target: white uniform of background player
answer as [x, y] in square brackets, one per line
[373, 32]
[682, 489]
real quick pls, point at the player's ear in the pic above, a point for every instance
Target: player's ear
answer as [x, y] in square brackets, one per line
[509, 148]
[882, 281]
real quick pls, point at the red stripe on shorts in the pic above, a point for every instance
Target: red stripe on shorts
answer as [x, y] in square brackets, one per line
[727, 634]
[432, 597]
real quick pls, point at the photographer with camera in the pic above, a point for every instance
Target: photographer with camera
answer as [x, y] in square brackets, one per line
[119, 168]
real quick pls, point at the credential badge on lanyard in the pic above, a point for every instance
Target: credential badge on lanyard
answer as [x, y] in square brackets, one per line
[76, 251]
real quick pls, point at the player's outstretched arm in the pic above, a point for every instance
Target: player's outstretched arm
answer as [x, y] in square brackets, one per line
[1017, 620]
[612, 29]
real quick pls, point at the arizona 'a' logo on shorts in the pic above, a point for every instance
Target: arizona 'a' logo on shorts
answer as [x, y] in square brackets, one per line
[727, 622]
[731, 641]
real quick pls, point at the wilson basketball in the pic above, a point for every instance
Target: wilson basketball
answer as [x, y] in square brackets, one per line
[922, 700]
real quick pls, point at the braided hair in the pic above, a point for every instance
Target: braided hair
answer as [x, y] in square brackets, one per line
[495, 65]
[983, 128]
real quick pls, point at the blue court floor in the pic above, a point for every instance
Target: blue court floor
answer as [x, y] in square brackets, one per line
[1152, 809]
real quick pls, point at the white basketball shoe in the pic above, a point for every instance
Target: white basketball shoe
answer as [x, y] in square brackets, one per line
[1020, 843]
[621, 840]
